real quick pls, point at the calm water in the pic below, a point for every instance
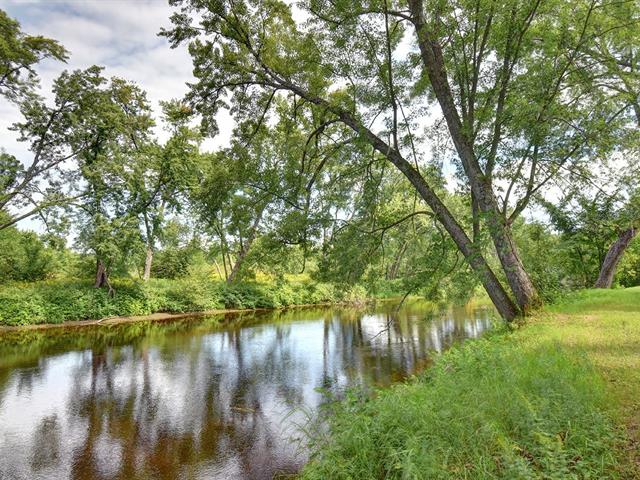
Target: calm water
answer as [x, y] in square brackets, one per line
[192, 399]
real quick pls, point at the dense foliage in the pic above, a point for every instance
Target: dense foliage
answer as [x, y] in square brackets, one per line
[58, 301]
[42, 281]
[516, 97]
[379, 148]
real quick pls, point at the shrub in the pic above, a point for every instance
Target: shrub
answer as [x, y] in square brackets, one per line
[16, 309]
[355, 294]
[322, 293]
[55, 301]
[25, 257]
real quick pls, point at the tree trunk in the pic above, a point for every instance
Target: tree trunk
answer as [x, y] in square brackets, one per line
[395, 266]
[215, 263]
[519, 281]
[503, 303]
[480, 183]
[102, 277]
[244, 250]
[611, 260]
[150, 232]
[148, 261]
[223, 252]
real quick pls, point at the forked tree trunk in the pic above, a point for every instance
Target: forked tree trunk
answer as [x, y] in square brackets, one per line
[102, 277]
[611, 260]
[519, 281]
[430, 51]
[148, 262]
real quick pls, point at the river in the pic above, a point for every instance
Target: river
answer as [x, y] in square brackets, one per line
[225, 397]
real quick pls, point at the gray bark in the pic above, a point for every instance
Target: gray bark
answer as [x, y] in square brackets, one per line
[611, 260]
[148, 261]
[244, 249]
[102, 277]
[480, 183]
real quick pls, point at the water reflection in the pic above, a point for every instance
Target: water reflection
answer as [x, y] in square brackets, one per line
[192, 399]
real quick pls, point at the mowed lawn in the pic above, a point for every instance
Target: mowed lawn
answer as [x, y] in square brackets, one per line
[605, 324]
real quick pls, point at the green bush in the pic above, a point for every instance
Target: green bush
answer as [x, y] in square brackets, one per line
[25, 257]
[491, 409]
[18, 310]
[322, 293]
[56, 301]
[355, 294]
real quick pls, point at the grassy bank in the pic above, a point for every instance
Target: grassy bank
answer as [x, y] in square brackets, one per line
[63, 300]
[557, 398]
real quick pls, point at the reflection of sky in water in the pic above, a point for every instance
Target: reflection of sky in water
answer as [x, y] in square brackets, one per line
[184, 401]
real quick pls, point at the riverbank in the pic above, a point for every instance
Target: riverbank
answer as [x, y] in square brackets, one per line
[168, 317]
[64, 302]
[154, 317]
[556, 398]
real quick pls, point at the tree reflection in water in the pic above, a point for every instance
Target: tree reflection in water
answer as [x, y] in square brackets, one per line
[195, 398]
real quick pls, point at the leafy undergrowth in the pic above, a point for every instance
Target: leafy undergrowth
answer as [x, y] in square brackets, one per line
[63, 300]
[546, 401]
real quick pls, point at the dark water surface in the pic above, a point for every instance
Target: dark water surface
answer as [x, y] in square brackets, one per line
[193, 399]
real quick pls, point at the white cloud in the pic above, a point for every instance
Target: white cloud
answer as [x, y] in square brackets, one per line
[119, 35]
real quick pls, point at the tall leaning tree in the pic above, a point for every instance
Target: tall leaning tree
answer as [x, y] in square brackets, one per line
[495, 72]
[613, 64]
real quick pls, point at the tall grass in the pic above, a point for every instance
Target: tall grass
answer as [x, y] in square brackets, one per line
[504, 407]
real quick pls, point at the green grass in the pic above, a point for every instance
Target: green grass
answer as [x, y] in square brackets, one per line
[605, 325]
[599, 300]
[557, 398]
